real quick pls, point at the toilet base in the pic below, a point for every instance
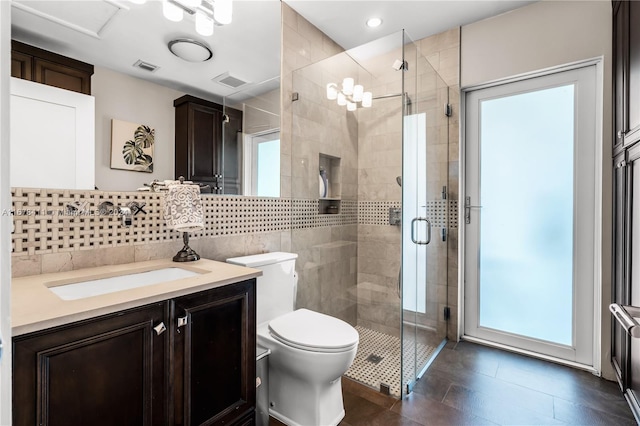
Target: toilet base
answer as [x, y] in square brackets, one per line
[289, 422]
[298, 402]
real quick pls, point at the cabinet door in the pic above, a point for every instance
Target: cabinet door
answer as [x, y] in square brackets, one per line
[21, 65]
[64, 77]
[633, 266]
[633, 91]
[205, 142]
[215, 353]
[620, 339]
[106, 371]
[620, 58]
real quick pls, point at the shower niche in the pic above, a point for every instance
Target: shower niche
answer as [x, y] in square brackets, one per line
[329, 184]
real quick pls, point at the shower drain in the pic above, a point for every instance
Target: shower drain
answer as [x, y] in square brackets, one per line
[374, 359]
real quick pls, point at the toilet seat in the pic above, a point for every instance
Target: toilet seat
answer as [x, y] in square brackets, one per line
[313, 331]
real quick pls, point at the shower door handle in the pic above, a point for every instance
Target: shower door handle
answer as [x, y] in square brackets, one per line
[413, 230]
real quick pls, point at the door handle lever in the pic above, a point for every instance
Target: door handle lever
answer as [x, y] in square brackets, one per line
[467, 209]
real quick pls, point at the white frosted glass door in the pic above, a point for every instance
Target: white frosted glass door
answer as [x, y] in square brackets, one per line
[530, 197]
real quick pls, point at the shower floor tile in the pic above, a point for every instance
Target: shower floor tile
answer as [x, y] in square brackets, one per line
[378, 360]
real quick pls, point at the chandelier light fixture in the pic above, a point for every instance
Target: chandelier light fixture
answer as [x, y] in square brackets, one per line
[208, 13]
[349, 95]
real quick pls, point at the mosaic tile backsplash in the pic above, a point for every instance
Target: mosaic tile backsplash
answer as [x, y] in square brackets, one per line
[44, 222]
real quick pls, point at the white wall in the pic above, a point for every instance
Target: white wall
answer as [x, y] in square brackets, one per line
[539, 36]
[131, 99]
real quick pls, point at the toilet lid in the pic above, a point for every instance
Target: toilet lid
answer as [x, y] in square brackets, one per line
[313, 331]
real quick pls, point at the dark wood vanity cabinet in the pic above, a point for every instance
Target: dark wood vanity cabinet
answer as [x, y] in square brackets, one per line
[41, 66]
[185, 361]
[215, 325]
[105, 371]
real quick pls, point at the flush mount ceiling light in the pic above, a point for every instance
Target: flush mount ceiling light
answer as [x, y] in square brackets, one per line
[208, 13]
[190, 50]
[350, 95]
[374, 22]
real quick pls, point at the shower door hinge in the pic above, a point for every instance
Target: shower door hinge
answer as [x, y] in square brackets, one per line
[448, 110]
[447, 313]
[295, 96]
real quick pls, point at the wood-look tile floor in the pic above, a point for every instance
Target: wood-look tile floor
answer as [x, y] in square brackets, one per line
[470, 384]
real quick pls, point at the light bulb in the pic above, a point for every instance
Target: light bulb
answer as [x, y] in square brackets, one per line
[374, 22]
[347, 86]
[171, 11]
[332, 91]
[222, 11]
[342, 99]
[357, 92]
[204, 24]
[367, 99]
[351, 106]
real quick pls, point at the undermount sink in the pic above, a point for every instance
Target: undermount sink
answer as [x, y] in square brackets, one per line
[96, 287]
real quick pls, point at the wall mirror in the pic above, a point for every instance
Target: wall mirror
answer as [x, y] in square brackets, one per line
[137, 77]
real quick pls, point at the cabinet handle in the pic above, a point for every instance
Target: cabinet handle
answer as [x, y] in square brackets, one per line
[160, 328]
[182, 321]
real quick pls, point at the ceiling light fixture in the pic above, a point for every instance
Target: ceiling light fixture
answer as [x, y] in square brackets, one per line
[190, 50]
[350, 95]
[207, 13]
[374, 22]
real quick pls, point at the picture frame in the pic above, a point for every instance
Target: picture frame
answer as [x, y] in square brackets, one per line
[132, 146]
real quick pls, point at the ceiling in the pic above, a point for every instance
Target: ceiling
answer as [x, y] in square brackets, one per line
[345, 21]
[115, 34]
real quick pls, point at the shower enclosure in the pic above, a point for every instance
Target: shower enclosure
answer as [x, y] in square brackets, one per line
[370, 215]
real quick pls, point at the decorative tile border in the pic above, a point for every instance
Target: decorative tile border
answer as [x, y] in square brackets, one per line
[305, 214]
[441, 213]
[44, 223]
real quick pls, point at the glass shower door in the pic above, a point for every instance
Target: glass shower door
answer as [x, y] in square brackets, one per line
[425, 213]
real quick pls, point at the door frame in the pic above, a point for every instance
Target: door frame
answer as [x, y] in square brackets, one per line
[598, 62]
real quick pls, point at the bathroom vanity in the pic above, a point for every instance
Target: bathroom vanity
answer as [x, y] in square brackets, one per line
[177, 352]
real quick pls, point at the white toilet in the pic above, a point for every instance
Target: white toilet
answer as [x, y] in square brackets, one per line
[310, 351]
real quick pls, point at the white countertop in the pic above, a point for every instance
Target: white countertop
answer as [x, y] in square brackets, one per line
[35, 307]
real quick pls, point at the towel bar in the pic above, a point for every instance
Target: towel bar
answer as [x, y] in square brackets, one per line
[626, 316]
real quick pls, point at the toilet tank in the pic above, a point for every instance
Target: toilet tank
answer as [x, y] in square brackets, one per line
[276, 287]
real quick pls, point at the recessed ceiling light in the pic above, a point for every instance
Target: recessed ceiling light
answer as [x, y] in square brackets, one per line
[374, 22]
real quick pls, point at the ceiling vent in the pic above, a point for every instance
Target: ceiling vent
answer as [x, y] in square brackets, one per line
[230, 81]
[145, 66]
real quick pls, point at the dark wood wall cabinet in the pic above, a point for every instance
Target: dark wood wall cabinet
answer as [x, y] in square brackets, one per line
[184, 361]
[42, 66]
[625, 351]
[202, 134]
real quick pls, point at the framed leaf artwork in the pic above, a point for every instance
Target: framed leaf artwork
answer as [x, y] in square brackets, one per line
[132, 146]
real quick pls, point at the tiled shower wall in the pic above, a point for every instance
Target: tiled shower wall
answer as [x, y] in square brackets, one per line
[327, 255]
